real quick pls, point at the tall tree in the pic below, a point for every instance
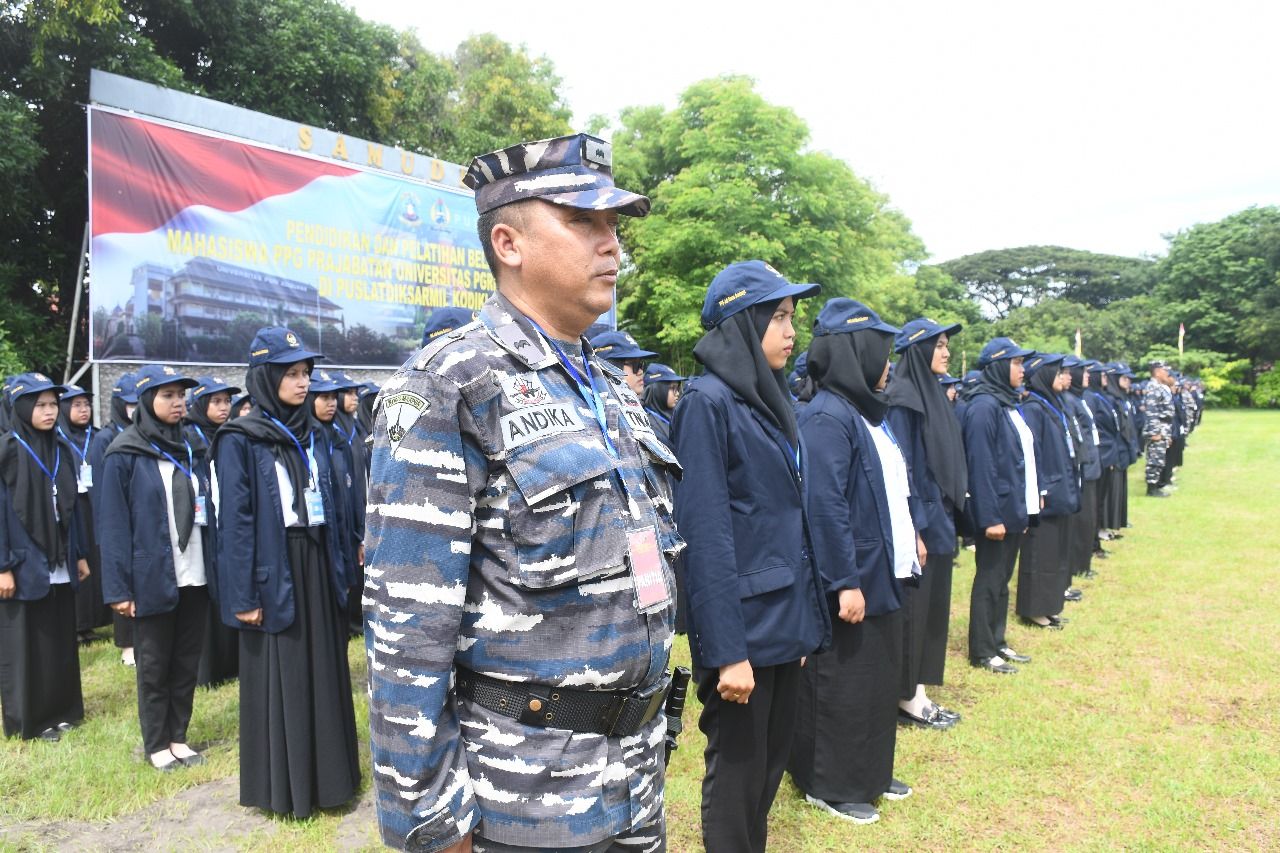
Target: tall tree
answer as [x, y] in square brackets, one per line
[731, 180]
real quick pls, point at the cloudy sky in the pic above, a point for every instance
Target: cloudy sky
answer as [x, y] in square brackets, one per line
[1095, 125]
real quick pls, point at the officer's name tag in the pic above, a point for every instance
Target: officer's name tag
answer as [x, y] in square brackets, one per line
[201, 512]
[646, 570]
[84, 482]
[315, 507]
[637, 419]
[526, 425]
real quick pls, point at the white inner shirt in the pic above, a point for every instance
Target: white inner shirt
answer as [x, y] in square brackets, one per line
[188, 565]
[1029, 461]
[897, 488]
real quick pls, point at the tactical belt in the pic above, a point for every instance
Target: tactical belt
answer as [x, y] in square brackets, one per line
[614, 713]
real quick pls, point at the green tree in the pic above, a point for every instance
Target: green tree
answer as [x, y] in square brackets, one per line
[1224, 280]
[730, 180]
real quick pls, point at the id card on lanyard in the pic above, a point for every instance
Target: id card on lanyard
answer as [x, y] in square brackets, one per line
[312, 499]
[200, 508]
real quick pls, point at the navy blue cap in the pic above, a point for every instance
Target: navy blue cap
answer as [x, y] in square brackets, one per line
[998, 348]
[618, 346]
[155, 375]
[660, 373]
[342, 381]
[322, 382]
[31, 383]
[921, 329]
[369, 388]
[443, 321]
[842, 314]
[72, 391]
[1043, 359]
[278, 345]
[744, 284]
[239, 400]
[1125, 371]
[124, 390]
[206, 385]
[971, 378]
[946, 380]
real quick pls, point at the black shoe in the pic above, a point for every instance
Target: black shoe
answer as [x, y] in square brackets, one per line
[1154, 491]
[1031, 623]
[65, 727]
[1101, 555]
[1073, 594]
[852, 812]
[50, 734]
[898, 790]
[1009, 654]
[1087, 574]
[931, 719]
[1059, 620]
[1116, 535]
[192, 760]
[948, 714]
[991, 665]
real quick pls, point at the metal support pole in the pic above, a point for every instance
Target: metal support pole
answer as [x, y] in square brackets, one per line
[75, 307]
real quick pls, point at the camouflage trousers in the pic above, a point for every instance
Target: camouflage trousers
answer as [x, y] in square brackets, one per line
[650, 838]
[1157, 449]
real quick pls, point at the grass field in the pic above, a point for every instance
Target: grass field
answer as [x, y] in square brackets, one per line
[1151, 723]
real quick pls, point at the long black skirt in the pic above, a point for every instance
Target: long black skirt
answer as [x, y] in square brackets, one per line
[298, 748]
[39, 663]
[847, 724]
[220, 651]
[1115, 503]
[1122, 500]
[91, 611]
[1082, 530]
[937, 622]
[1042, 568]
[1106, 497]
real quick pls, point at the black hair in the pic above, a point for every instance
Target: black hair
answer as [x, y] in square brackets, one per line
[507, 214]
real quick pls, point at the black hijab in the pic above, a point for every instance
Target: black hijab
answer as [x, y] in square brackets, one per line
[120, 414]
[262, 381]
[850, 364]
[77, 435]
[732, 351]
[995, 381]
[1077, 380]
[364, 412]
[916, 387]
[30, 489]
[198, 417]
[150, 436]
[655, 398]
[346, 421]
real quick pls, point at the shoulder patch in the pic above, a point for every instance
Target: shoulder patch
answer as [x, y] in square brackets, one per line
[403, 409]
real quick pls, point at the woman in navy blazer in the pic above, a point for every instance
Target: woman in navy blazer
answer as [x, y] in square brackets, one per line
[866, 547]
[282, 581]
[1044, 573]
[1003, 497]
[124, 400]
[154, 529]
[40, 566]
[755, 598]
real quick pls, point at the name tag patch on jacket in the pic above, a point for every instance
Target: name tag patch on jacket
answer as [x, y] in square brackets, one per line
[531, 424]
[525, 389]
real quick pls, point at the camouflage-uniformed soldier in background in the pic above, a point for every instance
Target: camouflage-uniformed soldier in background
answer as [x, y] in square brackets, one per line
[1157, 428]
[519, 590]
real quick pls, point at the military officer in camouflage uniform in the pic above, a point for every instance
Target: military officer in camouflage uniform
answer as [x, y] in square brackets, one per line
[1157, 428]
[519, 591]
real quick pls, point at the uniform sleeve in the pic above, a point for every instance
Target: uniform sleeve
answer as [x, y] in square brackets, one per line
[426, 475]
[831, 458]
[700, 432]
[115, 529]
[236, 558]
[981, 434]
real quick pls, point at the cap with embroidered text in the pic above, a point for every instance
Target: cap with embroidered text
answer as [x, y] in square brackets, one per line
[922, 329]
[443, 321]
[1001, 348]
[744, 284]
[656, 373]
[278, 345]
[618, 346]
[843, 314]
[31, 383]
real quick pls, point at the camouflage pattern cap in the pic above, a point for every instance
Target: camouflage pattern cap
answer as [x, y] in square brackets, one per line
[575, 171]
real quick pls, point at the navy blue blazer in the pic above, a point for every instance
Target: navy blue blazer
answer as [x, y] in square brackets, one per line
[1090, 460]
[133, 534]
[931, 511]
[98, 445]
[349, 516]
[848, 505]
[1056, 471]
[754, 592]
[997, 471]
[1111, 451]
[21, 555]
[252, 559]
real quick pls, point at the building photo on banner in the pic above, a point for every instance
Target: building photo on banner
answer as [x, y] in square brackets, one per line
[200, 237]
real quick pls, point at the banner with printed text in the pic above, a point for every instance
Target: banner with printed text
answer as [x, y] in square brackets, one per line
[199, 239]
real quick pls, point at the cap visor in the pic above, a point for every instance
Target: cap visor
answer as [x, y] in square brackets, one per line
[796, 291]
[605, 198]
[293, 356]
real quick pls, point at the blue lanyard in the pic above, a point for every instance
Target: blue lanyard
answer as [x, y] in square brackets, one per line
[87, 435]
[586, 387]
[57, 460]
[306, 460]
[659, 416]
[189, 470]
[1066, 430]
[349, 438]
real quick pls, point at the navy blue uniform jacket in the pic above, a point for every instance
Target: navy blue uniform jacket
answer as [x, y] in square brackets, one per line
[20, 554]
[1090, 459]
[848, 506]
[997, 471]
[1056, 470]
[133, 534]
[754, 591]
[1111, 448]
[252, 561]
[931, 511]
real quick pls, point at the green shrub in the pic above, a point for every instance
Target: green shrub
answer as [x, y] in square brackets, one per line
[1266, 392]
